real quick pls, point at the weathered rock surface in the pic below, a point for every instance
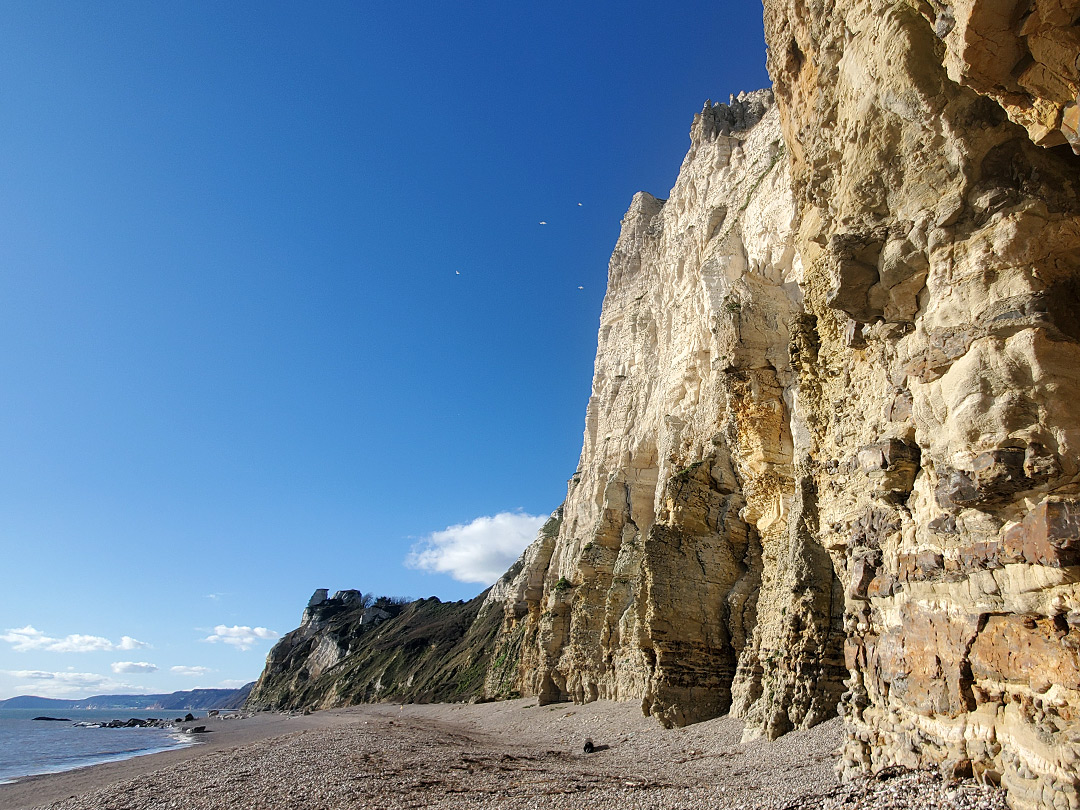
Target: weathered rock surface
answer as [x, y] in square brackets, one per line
[831, 433]
[831, 450]
[939, 245]
[1022, 53]
[689, 512]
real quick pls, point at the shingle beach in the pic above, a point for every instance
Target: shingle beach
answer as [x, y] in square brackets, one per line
[508, 755]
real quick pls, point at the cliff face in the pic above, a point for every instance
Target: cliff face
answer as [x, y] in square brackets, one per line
[831, 451]
[940, 252]
[831, 448]
[685, 570]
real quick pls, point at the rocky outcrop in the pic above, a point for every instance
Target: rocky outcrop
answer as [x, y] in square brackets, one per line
[1021, 53]
[939, 244]
[352, 649]
[831, 448]
[689, 510]
[830, 452]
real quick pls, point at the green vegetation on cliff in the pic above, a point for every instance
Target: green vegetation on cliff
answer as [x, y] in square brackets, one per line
[423, 651]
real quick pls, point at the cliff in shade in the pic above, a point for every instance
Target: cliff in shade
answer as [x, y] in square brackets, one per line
[347, 651]
[831, 452]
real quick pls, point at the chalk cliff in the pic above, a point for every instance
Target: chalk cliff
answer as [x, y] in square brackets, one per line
[830, 459]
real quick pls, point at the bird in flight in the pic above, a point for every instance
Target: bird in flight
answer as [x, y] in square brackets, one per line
[542, 222]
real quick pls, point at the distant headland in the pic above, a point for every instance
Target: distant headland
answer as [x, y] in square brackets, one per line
[189, 700]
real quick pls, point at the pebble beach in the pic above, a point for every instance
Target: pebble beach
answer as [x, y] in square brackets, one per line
[513, 754]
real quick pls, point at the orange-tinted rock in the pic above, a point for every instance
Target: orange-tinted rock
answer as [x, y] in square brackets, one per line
[1035, 652]
[882, 585]
[922, 662]
[1048, 535]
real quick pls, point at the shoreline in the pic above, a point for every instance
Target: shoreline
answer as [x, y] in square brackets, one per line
[512, 754]
[101, 759]
[173, 737]
[34, 790]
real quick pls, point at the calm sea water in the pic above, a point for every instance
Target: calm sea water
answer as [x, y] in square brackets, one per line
[29, 747]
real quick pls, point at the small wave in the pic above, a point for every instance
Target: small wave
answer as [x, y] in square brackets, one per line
[65, 764]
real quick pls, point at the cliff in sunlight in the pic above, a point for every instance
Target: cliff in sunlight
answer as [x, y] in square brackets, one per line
[830, 459]
[684, 517]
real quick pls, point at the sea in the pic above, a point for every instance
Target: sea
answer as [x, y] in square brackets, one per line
[29, 747]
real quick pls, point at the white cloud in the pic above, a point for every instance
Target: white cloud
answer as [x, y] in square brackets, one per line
[193, 672]
[241, 636]
[86, 678]
[67, 684]
[231, 684]
[480, 551]
[24, 639]
[133, 666]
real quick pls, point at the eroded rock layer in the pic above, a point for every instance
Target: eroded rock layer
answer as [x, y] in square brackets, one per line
[691, 509]
[831, 449]
[939, 246]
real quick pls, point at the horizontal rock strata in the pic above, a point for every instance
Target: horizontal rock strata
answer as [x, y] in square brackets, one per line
[831, 448]
[939, 242]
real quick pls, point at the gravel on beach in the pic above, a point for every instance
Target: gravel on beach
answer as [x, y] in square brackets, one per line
[520, 755]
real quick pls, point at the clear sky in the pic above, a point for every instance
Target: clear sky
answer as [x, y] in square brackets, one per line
[278, 312]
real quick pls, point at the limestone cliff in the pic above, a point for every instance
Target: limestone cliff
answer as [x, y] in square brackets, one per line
[685, 570]
[939, 243]
[831, 448]
[833, 408]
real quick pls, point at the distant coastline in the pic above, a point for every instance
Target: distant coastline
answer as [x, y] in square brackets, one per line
[188, 700]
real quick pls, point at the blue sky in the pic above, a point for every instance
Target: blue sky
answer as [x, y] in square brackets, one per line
[277, 311]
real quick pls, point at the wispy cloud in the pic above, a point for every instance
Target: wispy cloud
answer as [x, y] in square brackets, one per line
[120, 667]
[25, 639]
[191, 672]
[231, 683]
[479, 551]
[68, 684]
[240, 636]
